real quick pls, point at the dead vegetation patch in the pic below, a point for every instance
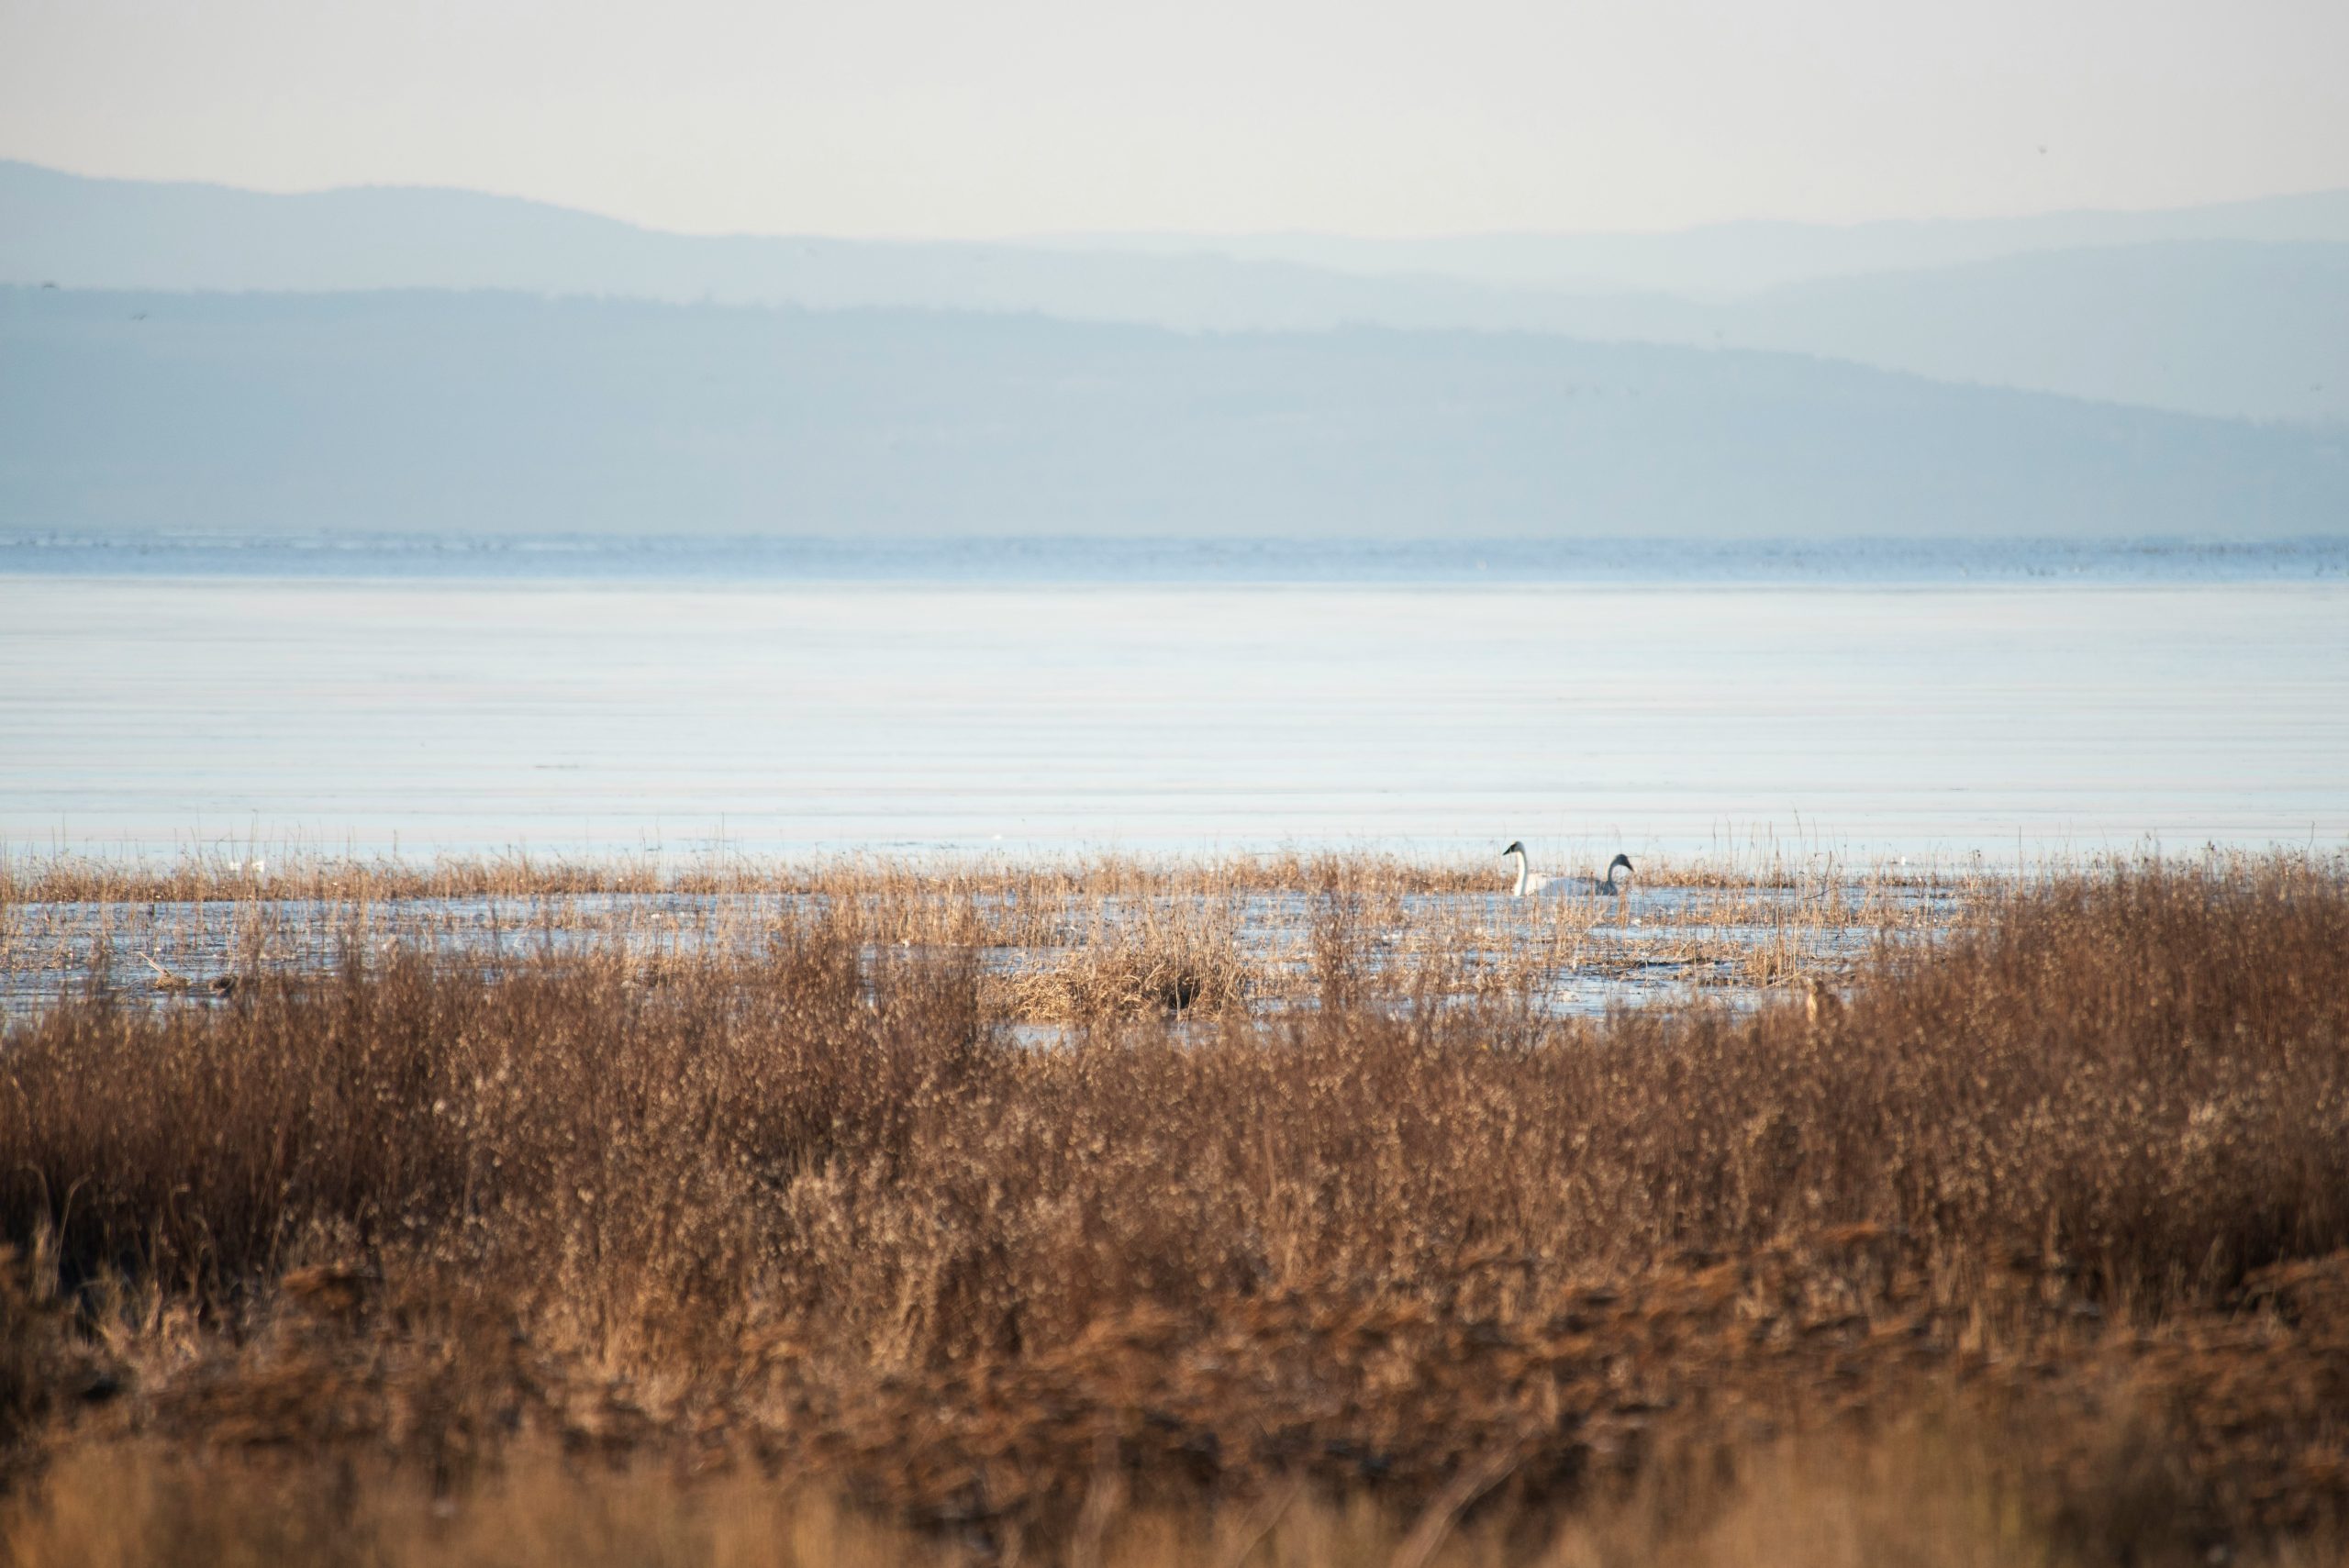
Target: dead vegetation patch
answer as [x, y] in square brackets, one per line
[2077, 1177]
[1172, 968]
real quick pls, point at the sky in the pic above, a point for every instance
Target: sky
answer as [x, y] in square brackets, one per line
[945, 118]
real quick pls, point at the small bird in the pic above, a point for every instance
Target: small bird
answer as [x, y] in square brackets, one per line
[1820, 1002]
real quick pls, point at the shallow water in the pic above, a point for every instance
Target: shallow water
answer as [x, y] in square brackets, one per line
[150, 714]
[1575, 956]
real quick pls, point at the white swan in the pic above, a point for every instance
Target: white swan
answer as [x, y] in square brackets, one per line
[1528, 882]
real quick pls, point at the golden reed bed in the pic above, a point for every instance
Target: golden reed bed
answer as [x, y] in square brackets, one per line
[2028, 1246]
[1065, 943]
[300, 871]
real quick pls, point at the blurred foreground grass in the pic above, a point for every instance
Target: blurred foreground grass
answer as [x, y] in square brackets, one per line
[2027, 1247]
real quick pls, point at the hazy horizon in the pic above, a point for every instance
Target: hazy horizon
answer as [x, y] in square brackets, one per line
[504, 413]
[2238, 311]
[918, 117]
[1767, 323]
[1083, 237]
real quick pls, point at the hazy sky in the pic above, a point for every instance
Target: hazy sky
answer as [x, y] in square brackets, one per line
[948, 118]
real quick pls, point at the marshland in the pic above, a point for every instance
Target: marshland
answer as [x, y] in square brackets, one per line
[1125, 787]
[1294, 1209]
[1057, 942]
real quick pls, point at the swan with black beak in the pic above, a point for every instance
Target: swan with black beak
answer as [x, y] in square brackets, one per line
[1529, 882]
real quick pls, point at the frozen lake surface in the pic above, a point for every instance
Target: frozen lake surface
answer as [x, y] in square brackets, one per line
[1933, 708]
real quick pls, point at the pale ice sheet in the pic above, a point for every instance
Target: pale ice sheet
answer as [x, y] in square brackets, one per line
[146, 716]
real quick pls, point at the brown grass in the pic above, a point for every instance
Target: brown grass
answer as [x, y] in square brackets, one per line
[2078, 1174]
[1177, 964]
[1919, 1497]
[299, 872]
[1058, 944]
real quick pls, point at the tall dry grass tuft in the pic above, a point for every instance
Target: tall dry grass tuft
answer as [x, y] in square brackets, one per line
[814, 1207]
[1156, 963]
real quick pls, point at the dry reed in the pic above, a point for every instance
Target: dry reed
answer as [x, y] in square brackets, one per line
[2079, 1166]
[1922, 1497]
[289, 871]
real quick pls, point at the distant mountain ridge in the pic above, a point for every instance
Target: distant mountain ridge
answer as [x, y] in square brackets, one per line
[2237, 311]
[497, 413]
[1724, 259]
[2230, 328]
[1710, 261]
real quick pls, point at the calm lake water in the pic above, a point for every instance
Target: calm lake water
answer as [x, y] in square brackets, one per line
[1930, 711]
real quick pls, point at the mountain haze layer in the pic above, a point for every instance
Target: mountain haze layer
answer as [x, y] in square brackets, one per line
[504, 413]
[2239, 310]
[2225, 327]
[1728, 259]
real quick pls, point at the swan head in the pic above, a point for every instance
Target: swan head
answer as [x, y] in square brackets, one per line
[1623, 860]
[1516, 847]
